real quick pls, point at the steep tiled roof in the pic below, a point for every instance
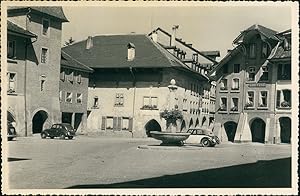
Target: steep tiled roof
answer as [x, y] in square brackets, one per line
[67, 60]
[111, 51]
[11, 27]
[54, 11]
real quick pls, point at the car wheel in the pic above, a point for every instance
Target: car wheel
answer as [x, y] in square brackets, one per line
[70, 137]
[205, 142]
[52, 137]
[62, 136]
[43, 135]
[9, 138]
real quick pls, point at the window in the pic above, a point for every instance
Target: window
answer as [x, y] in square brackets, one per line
[71, 76]
[96, 102]
[234, 104]
[60, 96]
[235, 84]
[150, 103]
[79, 98]
[252, 50]
[11, 82]
[11, 49]
[223, 104]
[119, 99]
[284, 72]
[250, 99]
[62, 75]
[263, 99]
[251, 74]
[236, 68]
[225, 68]
[44, 55]
[109, 123]
[264, 50]
[223, 84]
[286, 44]
[125, 123]
[69, 97]
[78, 78]
[46, 24]
[284, 99]
[265, 73]
[42, 84]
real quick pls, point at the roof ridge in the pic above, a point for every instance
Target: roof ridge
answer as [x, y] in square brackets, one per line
[77, 60]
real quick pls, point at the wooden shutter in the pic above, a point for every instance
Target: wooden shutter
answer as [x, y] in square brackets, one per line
[119, 124]
[103, 123]
[130, 126]
[115, 123]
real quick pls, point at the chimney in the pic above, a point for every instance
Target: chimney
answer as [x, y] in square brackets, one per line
[154, 36]
[173, 36]
[89, 43]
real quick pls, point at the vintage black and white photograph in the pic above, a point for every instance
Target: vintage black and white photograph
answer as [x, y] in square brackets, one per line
[149, 97]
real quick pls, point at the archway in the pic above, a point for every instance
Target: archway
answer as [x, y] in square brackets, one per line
[230, 129]
[197, 123]
[183, 126]
[285, 129]
[258, 130]
[152, 125]
[38, 121]
[203, 120]
[191, 123]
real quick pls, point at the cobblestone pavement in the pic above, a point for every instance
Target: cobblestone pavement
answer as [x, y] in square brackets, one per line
[101, 162]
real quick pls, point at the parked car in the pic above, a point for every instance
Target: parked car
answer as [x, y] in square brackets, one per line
[201, 136]
[11, 132]
[61, 130]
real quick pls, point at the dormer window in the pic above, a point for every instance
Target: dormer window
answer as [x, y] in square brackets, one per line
[286, 45]
[264, 50]
[46, 25]
[252, 50]
[130, 51]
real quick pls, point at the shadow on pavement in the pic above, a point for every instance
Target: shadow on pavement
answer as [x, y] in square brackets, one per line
[262, 174]
[10, 159]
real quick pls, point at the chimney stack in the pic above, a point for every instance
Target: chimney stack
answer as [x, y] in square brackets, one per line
[89, 43]
[173, 36]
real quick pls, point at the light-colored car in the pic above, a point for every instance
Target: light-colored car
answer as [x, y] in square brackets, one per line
[201, 136]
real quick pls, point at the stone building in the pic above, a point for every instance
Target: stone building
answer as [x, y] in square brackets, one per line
[73, 92]
[34, 67]
[129, 85]
[254, 88]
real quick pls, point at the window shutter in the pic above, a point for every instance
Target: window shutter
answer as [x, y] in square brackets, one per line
[119, 123]
[103, 123]
[115, 123]
[130, 126]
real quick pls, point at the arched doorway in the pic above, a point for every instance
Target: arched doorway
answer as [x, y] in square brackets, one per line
[152, 125]
[191, 123]
[183, 126]
[285, 129]
[38, 121]
[258, 130]
[197, 123]
[230, 129]
[203, 120]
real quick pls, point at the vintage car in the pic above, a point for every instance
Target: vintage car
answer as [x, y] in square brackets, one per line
[11, 132]
[202, 136]
[61, 130]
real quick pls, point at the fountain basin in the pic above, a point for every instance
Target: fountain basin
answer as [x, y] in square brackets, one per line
[169, 138]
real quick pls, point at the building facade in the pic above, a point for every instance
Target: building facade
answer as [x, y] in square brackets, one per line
[251, 91]
[73, 92]
[129, 86]
[35, 68]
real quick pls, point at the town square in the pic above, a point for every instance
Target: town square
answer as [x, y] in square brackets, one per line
[149, 97]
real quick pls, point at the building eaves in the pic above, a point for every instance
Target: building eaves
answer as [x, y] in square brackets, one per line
[11, 27]
[70, 62]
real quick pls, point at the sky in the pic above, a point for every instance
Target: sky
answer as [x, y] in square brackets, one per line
[207, 28]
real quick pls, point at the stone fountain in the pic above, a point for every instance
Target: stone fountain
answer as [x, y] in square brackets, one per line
[171, 136]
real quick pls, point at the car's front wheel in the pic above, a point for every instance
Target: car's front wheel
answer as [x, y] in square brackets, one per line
[205, 142]
[43, 135]
[62, 136]
[70, 137]
[10, 138]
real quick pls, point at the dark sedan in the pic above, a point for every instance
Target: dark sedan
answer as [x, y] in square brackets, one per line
[61, 130]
